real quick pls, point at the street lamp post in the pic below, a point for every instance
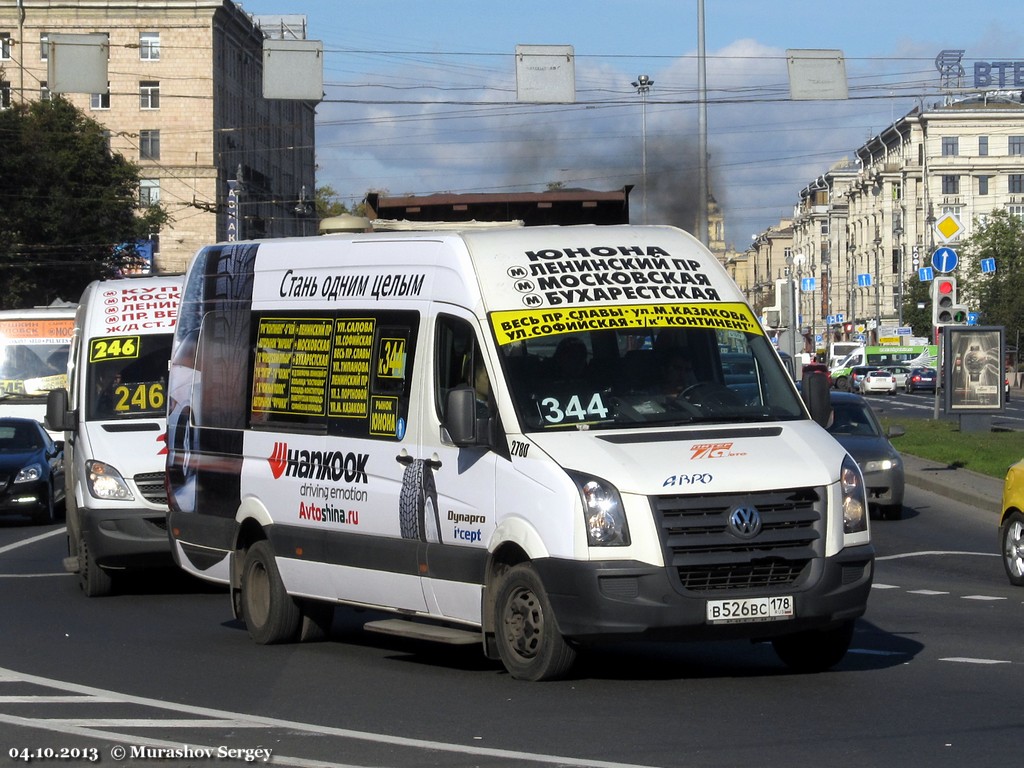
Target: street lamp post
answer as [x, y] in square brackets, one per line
[878, 287]
[643, 85]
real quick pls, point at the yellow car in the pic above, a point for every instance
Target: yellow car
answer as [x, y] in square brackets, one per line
[1011, 524]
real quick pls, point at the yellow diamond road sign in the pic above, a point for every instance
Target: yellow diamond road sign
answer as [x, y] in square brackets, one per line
[948, 227]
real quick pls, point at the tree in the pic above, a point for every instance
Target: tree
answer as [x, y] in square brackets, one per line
[999, 295]
[327, 203]
[69, 210]
[918, 318]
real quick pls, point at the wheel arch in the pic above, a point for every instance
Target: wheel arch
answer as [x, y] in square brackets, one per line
[507, 555]
[252, 518]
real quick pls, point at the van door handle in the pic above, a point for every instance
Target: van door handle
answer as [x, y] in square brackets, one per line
[404, 459]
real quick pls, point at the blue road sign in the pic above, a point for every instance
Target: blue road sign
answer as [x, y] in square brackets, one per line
[945, 259]
[973, 318]
[988, 266]
[807, 283]
[925, 274]
[864, 280]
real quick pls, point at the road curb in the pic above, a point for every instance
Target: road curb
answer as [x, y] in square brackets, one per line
[954, 483]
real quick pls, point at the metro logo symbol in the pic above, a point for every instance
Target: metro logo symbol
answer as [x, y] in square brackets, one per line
[278, 459]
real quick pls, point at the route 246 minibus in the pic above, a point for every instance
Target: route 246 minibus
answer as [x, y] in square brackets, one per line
[529, 438]
[113, 415]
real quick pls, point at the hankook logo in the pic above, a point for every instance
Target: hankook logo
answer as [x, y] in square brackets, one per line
[745, 522]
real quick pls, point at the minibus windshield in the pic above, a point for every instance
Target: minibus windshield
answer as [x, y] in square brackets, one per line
[629, 377]
[127, 376]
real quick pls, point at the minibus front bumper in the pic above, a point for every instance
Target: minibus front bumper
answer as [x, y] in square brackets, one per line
[130, 537]
[609, 599]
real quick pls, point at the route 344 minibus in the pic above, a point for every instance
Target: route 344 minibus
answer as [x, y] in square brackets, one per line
[530, 439]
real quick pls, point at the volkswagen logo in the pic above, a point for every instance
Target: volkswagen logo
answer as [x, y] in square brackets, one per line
[745, 522]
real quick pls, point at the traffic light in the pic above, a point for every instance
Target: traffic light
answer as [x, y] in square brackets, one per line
[943, 300]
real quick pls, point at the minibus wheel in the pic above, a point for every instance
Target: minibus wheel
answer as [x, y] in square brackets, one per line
[529, 642]
[94, 581]
[271, 615]
[814, 650]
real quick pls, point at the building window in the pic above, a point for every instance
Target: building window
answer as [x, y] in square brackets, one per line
[951, 185]
[149, 94]
[149, 46]
[1016, 210]
[950, 146]
[983, 185]
[1017, 145]
[100, 100]
[149, 145]
[5, 46]
[44, 92]
[983, 146]
[1016, 184]
[44, 46]
[5, 94]
[149, 192]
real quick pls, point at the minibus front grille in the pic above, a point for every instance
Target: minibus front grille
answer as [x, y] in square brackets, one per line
[151, 486]
[708, 554]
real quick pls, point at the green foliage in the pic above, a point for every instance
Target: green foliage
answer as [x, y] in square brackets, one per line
[997, 295]
[919, 319]
[66, 204]
[327, 203]
[988, 453]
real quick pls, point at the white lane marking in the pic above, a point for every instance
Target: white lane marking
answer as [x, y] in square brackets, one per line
[926, 592]
[981, 597]
[33, 575]
[67, 727]
[883, 586]
[968, 660]
[929, 553]
[33, 540]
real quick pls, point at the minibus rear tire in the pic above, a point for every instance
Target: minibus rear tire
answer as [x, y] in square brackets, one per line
[271, 615]
[529, 642]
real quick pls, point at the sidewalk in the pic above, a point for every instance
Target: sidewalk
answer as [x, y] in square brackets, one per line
[962, 485]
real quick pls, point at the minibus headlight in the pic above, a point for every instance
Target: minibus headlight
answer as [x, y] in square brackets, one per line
[855, 502]
[105, 482]
[603, 513]
[29, 473]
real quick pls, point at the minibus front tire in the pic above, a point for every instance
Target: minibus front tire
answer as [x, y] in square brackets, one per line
[529, 642]
[271, 615]
[94, 581]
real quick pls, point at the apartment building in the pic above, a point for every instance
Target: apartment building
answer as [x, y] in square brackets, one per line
[184, 102]
[863, 228]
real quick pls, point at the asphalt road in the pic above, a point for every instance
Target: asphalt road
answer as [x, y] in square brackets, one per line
[930, 680]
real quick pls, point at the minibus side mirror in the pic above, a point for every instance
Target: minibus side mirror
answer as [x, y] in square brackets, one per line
[58, 418]
[462, 424]
[814, 390]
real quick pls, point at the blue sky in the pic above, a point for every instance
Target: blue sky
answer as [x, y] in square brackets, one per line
[420, 97]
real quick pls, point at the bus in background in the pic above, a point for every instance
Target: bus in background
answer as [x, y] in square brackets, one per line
[883, 356]
[839, 351]
[33, 357]
[113, 416]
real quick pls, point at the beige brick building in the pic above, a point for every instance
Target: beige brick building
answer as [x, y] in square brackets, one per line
[863, 228]
[185, 103]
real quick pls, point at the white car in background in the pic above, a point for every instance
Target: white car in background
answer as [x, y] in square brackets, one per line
[877, 381]
[901, 372]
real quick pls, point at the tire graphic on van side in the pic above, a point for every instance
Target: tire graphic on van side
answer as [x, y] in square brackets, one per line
[417, 504]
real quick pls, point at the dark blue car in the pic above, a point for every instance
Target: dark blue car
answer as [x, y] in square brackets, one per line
[921, 379]
[31, 471]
